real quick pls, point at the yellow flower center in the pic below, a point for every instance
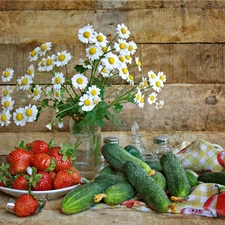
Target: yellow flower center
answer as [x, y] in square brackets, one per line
[122, 46]
[139, 63]
[94, 92]
[49, 62]
[57, 94]
[99, 38]
[152, 97]
[80, 80]
[104, 49]
[43, 47]
[5, 92]
[3, 118]
[33, 53]
[19, 116]
[87, 102]
[162, 78]
[6, 104]
[36, 92]
[104, 70]
[111, 60]
[138, 97]
[29, 112]
[24, 81]
[6, 73]
[128, 57]
[125, 70]
[87, 34]
[153, 76]
[142, 99]
[57, 80]
[43, 62]
[121, 58]
[131, 77]
[158, 84]
[92, 50]
[123, 30]
[61, 57]
[30, 72]
[130, 48]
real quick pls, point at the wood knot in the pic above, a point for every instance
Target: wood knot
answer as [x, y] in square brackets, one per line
[211, 100]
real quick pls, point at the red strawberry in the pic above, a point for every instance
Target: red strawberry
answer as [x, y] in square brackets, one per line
[76, 175]
[25, 205]
[62, 161]
[20, 182]
[38, 146]
[43, 162]
[19, 160]
[63, 179]
[45, 183]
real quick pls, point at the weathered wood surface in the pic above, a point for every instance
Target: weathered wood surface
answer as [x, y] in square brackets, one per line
[120, 216]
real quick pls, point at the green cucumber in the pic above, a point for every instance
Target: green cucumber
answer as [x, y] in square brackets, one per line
[107, 170]
[112, 177]
[177, 182]
[160, 179]
[134, 151]
[82, 197]
[192, 177]
[147, 187]
[154, 164]
[117, 156]
[212, 177]
[117, 193]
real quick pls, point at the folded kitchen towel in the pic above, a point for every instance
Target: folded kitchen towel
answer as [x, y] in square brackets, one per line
[201, 155]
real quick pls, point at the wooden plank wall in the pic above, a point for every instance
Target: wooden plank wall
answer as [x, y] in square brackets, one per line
[183, 38]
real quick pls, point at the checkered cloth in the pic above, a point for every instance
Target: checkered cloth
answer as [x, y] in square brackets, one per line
[201, 155]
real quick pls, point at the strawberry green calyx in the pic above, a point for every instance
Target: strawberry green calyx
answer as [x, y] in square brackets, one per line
[51, 166]
[4, 174]
[33, 178]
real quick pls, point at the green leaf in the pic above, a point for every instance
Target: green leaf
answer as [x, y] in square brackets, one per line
[80, 68]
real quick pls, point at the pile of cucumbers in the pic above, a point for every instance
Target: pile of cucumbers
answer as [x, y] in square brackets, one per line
[127, 176]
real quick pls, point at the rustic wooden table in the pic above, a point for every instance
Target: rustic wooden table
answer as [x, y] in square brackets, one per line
[51, 214]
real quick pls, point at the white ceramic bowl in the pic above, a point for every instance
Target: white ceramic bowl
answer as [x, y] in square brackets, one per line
[52, 194]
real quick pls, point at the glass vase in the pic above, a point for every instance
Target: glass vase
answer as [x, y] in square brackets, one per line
[89, 159]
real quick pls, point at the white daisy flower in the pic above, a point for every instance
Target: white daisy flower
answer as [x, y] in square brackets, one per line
[132, 47]
[36, 92]
[100, 39]
[79, 81]
[152, 98]
[31, 113]
[57, 94]
[58, 80]
[48, 92]
[159, 104]
[93, 52]
[162, 76]
[44, 48]
[157, 84]
[105, 72]
[7, 103]
[93, 91]
[141, 103]
[24, 82]
[110, 61]
[128, 58]
[121, 46]
[33, 56]
[96, 100]
[62, 58]
[5, 117]
[122, 58]
[6, 91]
[151, 75]
[30, 70]
[87, 103]
[41, 65]
[85, 63]
[138, 96]
[19, 117]
[86, 34]
[122, 31]
[130, 79]
[50, 62]
[124, 72]
[106, 49]
[60, 124]
[144, 83]
[138, 62]
[7, 75]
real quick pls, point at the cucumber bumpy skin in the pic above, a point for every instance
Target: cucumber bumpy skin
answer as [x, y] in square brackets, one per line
[177, 181]
[212, 177]
[82, 197]
[116, 156]
[147, 187]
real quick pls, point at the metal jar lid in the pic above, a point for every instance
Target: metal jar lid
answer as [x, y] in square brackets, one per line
[111, 140]
[161, 139]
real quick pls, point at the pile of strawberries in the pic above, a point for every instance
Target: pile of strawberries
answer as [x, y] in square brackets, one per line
[39, 166]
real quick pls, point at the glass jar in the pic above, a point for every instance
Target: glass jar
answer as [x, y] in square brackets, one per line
[111, 140]
[160, 146]
[137, 142]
